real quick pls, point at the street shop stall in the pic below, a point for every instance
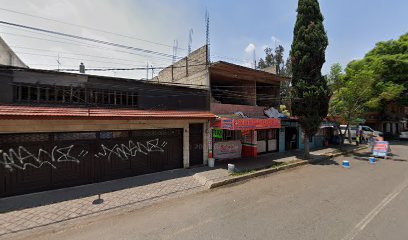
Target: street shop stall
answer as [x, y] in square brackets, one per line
[231, 138]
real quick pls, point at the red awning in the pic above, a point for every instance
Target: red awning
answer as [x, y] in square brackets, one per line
[247, 123]
[24, 112]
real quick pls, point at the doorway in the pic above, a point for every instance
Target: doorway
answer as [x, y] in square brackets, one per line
[196, 144]
[291, 138]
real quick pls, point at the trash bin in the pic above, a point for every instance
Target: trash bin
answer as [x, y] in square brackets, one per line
[211, 162]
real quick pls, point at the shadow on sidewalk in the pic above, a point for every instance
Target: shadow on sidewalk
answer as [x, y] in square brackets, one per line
[32, 200]
[322, 160]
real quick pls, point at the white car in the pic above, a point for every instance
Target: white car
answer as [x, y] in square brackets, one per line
[403, 136]
[366, 130]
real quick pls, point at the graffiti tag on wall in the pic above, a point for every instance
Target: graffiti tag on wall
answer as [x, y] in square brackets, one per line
[126, 151]
[21, 158]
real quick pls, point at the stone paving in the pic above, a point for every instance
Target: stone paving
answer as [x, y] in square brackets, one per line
[176, 184]
[17, 221]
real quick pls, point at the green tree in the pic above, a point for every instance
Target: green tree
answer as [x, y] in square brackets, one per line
[360, 91]
[335, 75]
[279, 61]
[287, 72]
[310, 92]
[274, 59]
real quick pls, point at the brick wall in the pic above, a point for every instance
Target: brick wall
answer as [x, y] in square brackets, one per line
[224, 109]
[189, 70]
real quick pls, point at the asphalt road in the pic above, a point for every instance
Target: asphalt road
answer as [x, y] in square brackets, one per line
[323, 201]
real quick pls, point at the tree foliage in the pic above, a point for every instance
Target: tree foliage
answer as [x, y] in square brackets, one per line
[275, 58]
[310, 90]
[370, 83]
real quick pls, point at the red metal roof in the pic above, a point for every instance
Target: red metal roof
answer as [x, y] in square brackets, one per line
[13, 112]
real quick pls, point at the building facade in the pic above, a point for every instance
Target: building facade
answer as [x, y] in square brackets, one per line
[239, 97]
[60, 129]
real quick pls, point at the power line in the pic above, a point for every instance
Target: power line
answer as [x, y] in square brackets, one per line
[88, 39]
[74, 53]
[81, 59]
[87, 27]
[83, 45]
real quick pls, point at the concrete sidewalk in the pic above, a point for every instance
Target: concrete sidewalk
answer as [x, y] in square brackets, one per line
[50, 210]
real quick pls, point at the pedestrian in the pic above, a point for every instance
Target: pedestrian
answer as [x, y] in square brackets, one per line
[360, 132]
[371, 141]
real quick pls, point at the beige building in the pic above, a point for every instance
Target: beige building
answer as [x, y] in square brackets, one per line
[8, 56]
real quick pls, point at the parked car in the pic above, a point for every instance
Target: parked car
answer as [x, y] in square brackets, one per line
[353, 129]
[403, 136]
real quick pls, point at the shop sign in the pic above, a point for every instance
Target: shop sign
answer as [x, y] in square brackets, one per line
[247, 124]
[218, 133]
[381, 148]
[227, 150]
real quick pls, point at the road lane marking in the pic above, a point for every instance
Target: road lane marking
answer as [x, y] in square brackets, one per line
[370, 216]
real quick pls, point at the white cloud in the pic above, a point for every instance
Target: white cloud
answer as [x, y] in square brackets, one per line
[250, 48]
[275, 40]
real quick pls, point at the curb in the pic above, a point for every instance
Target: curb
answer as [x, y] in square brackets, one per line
[320, 158]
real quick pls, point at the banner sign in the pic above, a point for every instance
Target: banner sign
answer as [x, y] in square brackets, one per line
[381, 148]
[227, 150]
[247, 123]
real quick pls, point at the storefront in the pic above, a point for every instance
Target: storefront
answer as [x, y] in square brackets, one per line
[244, 137]
[290, 135]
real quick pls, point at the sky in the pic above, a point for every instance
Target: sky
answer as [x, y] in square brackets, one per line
[238, 28]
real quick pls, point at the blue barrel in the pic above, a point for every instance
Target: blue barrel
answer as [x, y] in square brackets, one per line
[346, 164]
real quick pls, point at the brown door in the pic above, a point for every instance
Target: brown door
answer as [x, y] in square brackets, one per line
[196, 144]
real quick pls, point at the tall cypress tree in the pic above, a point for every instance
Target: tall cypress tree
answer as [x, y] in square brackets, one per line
[310, 92]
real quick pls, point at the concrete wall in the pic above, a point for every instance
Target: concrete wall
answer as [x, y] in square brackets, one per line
[38, 126]
[192, 69]
[8, 57]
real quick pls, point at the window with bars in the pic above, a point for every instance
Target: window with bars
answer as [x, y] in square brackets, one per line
[73, 95]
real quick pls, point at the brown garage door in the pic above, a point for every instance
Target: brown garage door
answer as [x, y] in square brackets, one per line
[37, 162]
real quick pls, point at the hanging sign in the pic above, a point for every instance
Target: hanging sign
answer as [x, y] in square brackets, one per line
[247, 123]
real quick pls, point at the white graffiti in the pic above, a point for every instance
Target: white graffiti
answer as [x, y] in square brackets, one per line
[22, 158]
[126, 151]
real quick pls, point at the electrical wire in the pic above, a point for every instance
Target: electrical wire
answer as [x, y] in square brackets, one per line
[81, 59]
[90, 28]
[82, 45]
[73, 53]
[88, 39]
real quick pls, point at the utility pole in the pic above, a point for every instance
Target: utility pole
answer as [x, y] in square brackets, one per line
[190, 40]
[147, 71]
[207, 33]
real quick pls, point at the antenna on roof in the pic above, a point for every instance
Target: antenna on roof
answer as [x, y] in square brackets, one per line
[190, 40]
[58, 61]
[207, 33]
[254, 58]
[175, 47]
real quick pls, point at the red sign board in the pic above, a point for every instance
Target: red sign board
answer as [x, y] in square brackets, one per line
[381, 149]
[247, 123]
